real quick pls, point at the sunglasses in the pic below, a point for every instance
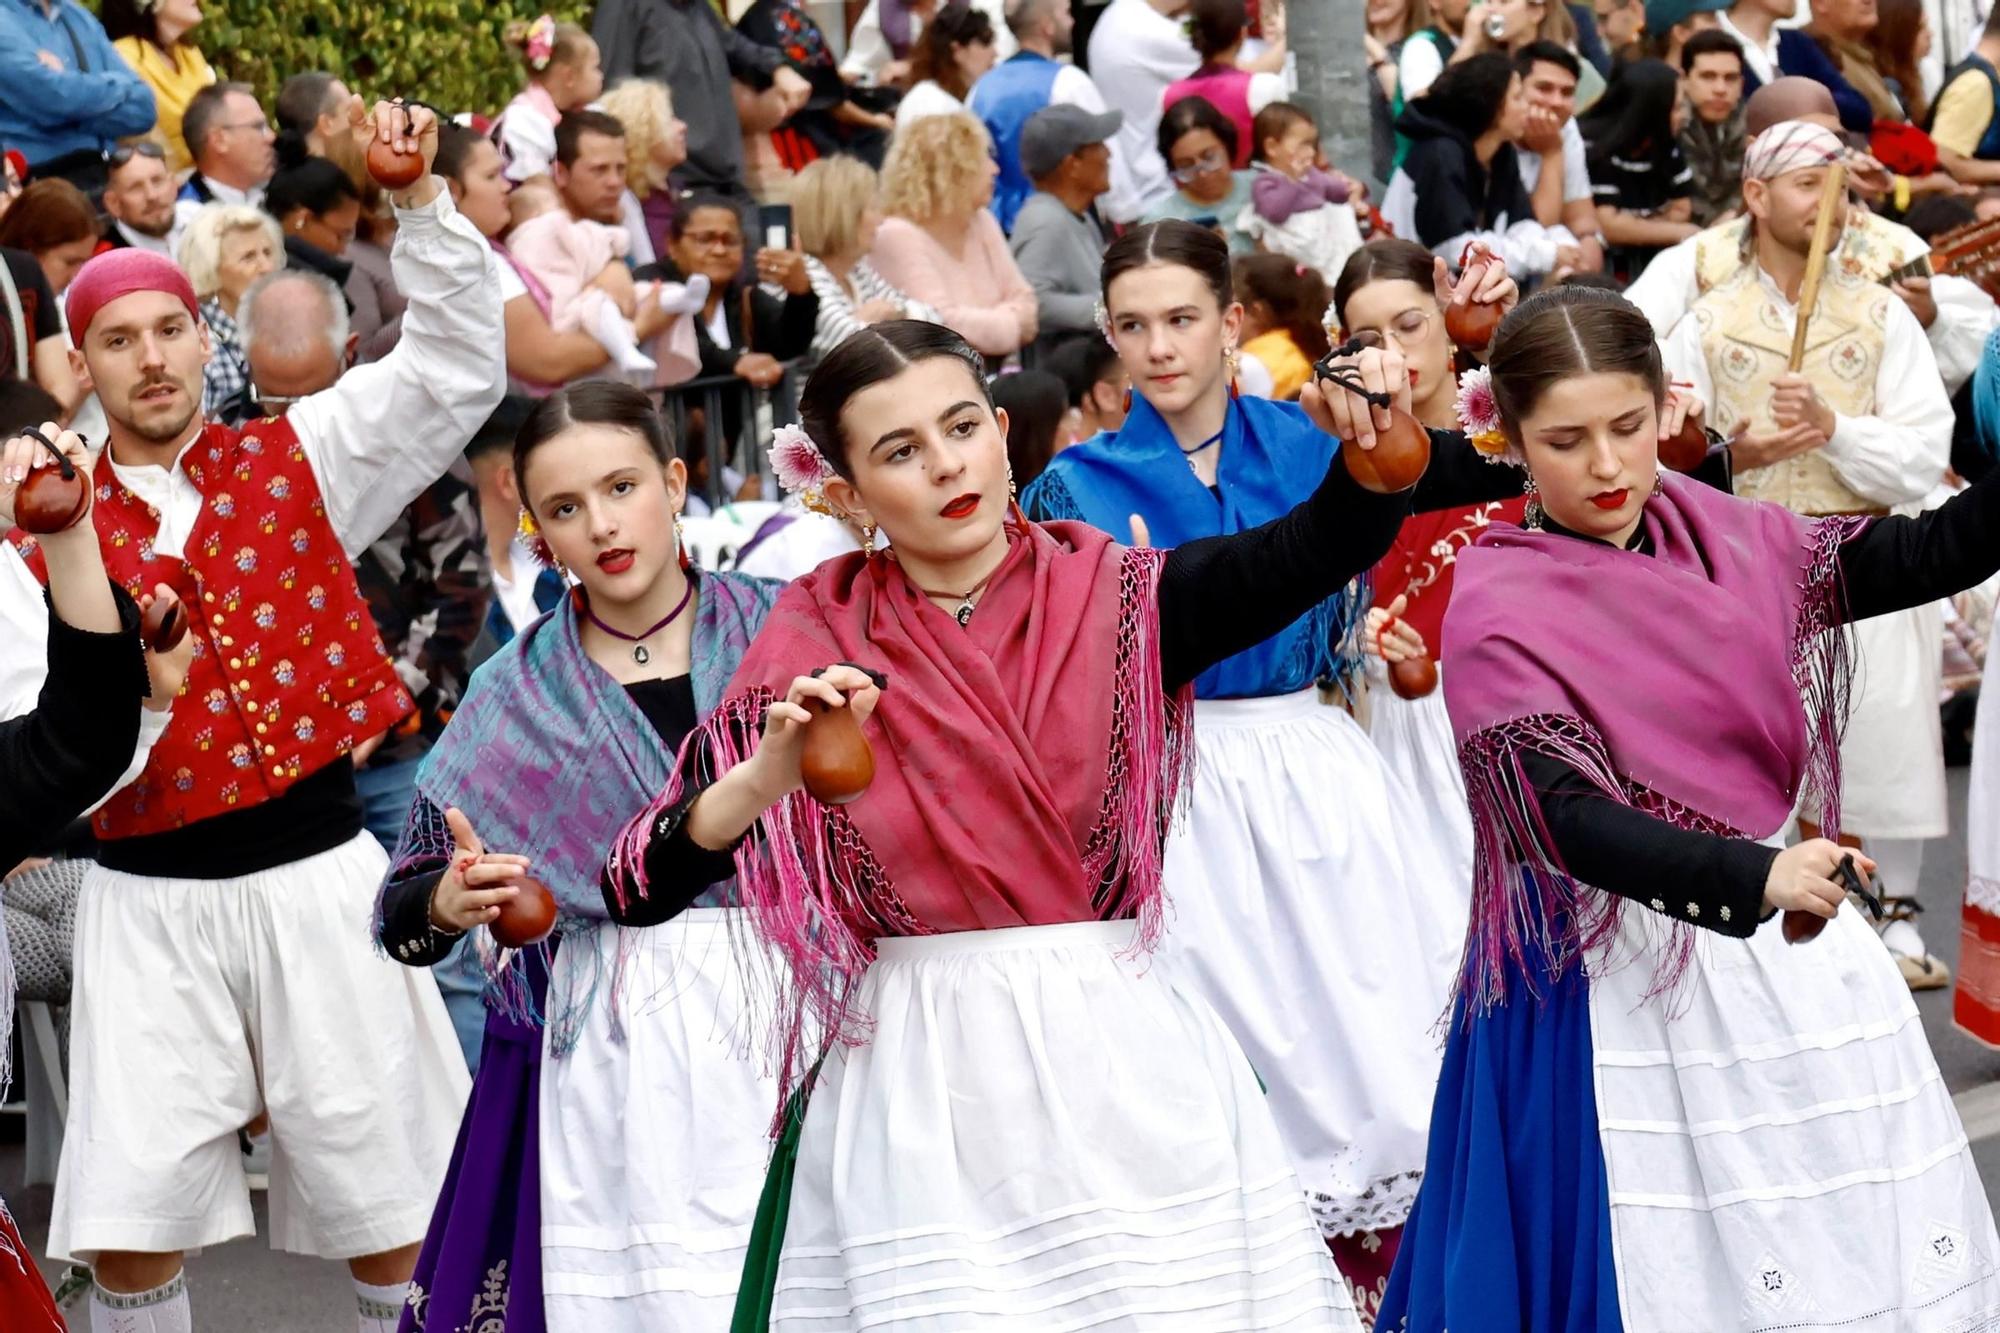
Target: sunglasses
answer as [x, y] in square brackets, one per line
[123, 153]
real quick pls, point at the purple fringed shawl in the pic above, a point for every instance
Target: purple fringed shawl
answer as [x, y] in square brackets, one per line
[1027, 765]
[1705, 683]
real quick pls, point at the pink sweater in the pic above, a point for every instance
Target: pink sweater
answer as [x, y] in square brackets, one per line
[980, 293]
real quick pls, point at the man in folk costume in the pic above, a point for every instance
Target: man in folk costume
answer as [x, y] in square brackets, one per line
[223, 964]
[1863, 427]
[1955, 313]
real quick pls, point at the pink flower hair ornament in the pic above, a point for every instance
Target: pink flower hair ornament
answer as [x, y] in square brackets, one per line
[1479, 413]
[800, 467]
[541, 42]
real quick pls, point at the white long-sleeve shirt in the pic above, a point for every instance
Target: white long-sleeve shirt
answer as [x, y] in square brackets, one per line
[1957, 336]
[374, 441]
[1893, 456]
[386, 430]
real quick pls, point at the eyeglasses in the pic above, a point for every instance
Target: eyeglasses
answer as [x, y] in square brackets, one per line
[714, 240]
[1212, 160]
[261, 125]
[124, 152]
[1407, 328]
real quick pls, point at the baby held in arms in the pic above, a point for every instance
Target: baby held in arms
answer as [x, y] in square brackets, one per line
[582, 265]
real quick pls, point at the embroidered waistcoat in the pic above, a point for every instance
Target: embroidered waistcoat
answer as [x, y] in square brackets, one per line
[289, 673]
[1747, 340]
[1870, 246]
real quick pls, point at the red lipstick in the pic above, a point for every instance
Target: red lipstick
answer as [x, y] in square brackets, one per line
[1610, 499]
[962, 507]
[615, 561]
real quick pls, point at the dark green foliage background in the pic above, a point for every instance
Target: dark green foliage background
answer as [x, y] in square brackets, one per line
[445, 52]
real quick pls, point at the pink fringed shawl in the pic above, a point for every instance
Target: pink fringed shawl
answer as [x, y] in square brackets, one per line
[1704, 683]
[1027, 765]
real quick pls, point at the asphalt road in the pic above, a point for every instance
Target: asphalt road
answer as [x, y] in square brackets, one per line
[246, 1287]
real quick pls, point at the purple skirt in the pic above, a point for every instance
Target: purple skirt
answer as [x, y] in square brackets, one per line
[481, 1265]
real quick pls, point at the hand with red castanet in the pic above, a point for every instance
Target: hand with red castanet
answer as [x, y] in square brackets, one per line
[472, 890]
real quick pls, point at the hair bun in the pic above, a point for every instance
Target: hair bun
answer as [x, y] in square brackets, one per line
[291, 149]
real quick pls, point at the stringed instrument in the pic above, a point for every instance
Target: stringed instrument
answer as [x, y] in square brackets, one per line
[1971, 252]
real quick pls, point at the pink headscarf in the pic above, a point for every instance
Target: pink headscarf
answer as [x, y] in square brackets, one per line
[117, 273]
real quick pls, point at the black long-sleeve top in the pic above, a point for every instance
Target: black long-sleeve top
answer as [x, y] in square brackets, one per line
[1718, 882]
[57, 760]
[406, 932]
[1217, 597]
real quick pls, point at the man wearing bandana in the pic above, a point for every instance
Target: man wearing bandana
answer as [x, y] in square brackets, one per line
[223, 967]
[1863, 427]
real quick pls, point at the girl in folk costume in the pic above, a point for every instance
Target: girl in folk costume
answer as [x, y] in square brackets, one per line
[564, 73]
[1658, 1112]
[1294, 854]
[1397, 290]
[642, 1120]
[1015, 1118]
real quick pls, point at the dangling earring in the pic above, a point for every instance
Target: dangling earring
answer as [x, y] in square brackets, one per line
[1232, 362]
[1013, 491]
[867, 541]
[1128, 398]
[681, 545]
[1451, 361]
[1659, 483]
[1531, 517]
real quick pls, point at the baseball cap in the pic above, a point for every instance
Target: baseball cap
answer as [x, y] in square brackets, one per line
[1056, 131]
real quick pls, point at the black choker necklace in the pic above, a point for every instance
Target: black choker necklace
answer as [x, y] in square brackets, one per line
[639, 653]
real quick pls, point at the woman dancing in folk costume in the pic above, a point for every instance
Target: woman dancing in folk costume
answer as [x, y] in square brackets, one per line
[564, 1155]
[1657, 1112]
[1015, 1118]
[1396, 290]
[1302, 846]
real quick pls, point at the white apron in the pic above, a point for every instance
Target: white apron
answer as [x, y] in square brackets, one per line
[1310, 907]
[1043, 1132]
[1414, 737]
[653, 1146]
[1782, 1152]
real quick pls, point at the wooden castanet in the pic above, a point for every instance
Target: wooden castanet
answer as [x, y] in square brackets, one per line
[1803, 926]
[1685, 451]
[393, 168]
[1397, 461]
[1413, 677]
[837, 763]
[1473, 324]
[163, 624]
[528, 917]
[52, 498]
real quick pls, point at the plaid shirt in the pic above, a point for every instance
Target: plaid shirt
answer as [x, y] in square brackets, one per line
[428, 580]
[225, 390]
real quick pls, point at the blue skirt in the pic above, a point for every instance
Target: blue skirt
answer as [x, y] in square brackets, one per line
[1512, 1228]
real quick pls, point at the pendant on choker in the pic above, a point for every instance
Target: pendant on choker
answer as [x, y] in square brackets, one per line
[640, 655]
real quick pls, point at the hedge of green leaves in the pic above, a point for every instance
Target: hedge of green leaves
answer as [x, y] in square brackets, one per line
[445, 52]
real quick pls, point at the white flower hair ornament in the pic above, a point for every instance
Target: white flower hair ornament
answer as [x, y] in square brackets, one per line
[1479, 413]
[1103, 318]
[800, 467]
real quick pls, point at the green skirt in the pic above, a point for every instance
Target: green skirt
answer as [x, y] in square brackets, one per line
[767, 1231]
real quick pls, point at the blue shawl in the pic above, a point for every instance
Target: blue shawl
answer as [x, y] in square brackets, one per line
[1273, 457]
[548, 756]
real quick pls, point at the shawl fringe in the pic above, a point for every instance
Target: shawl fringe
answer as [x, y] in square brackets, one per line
[817, 898]
[1523, 899]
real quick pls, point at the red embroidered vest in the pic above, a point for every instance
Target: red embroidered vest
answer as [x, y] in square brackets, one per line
[289, 672]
